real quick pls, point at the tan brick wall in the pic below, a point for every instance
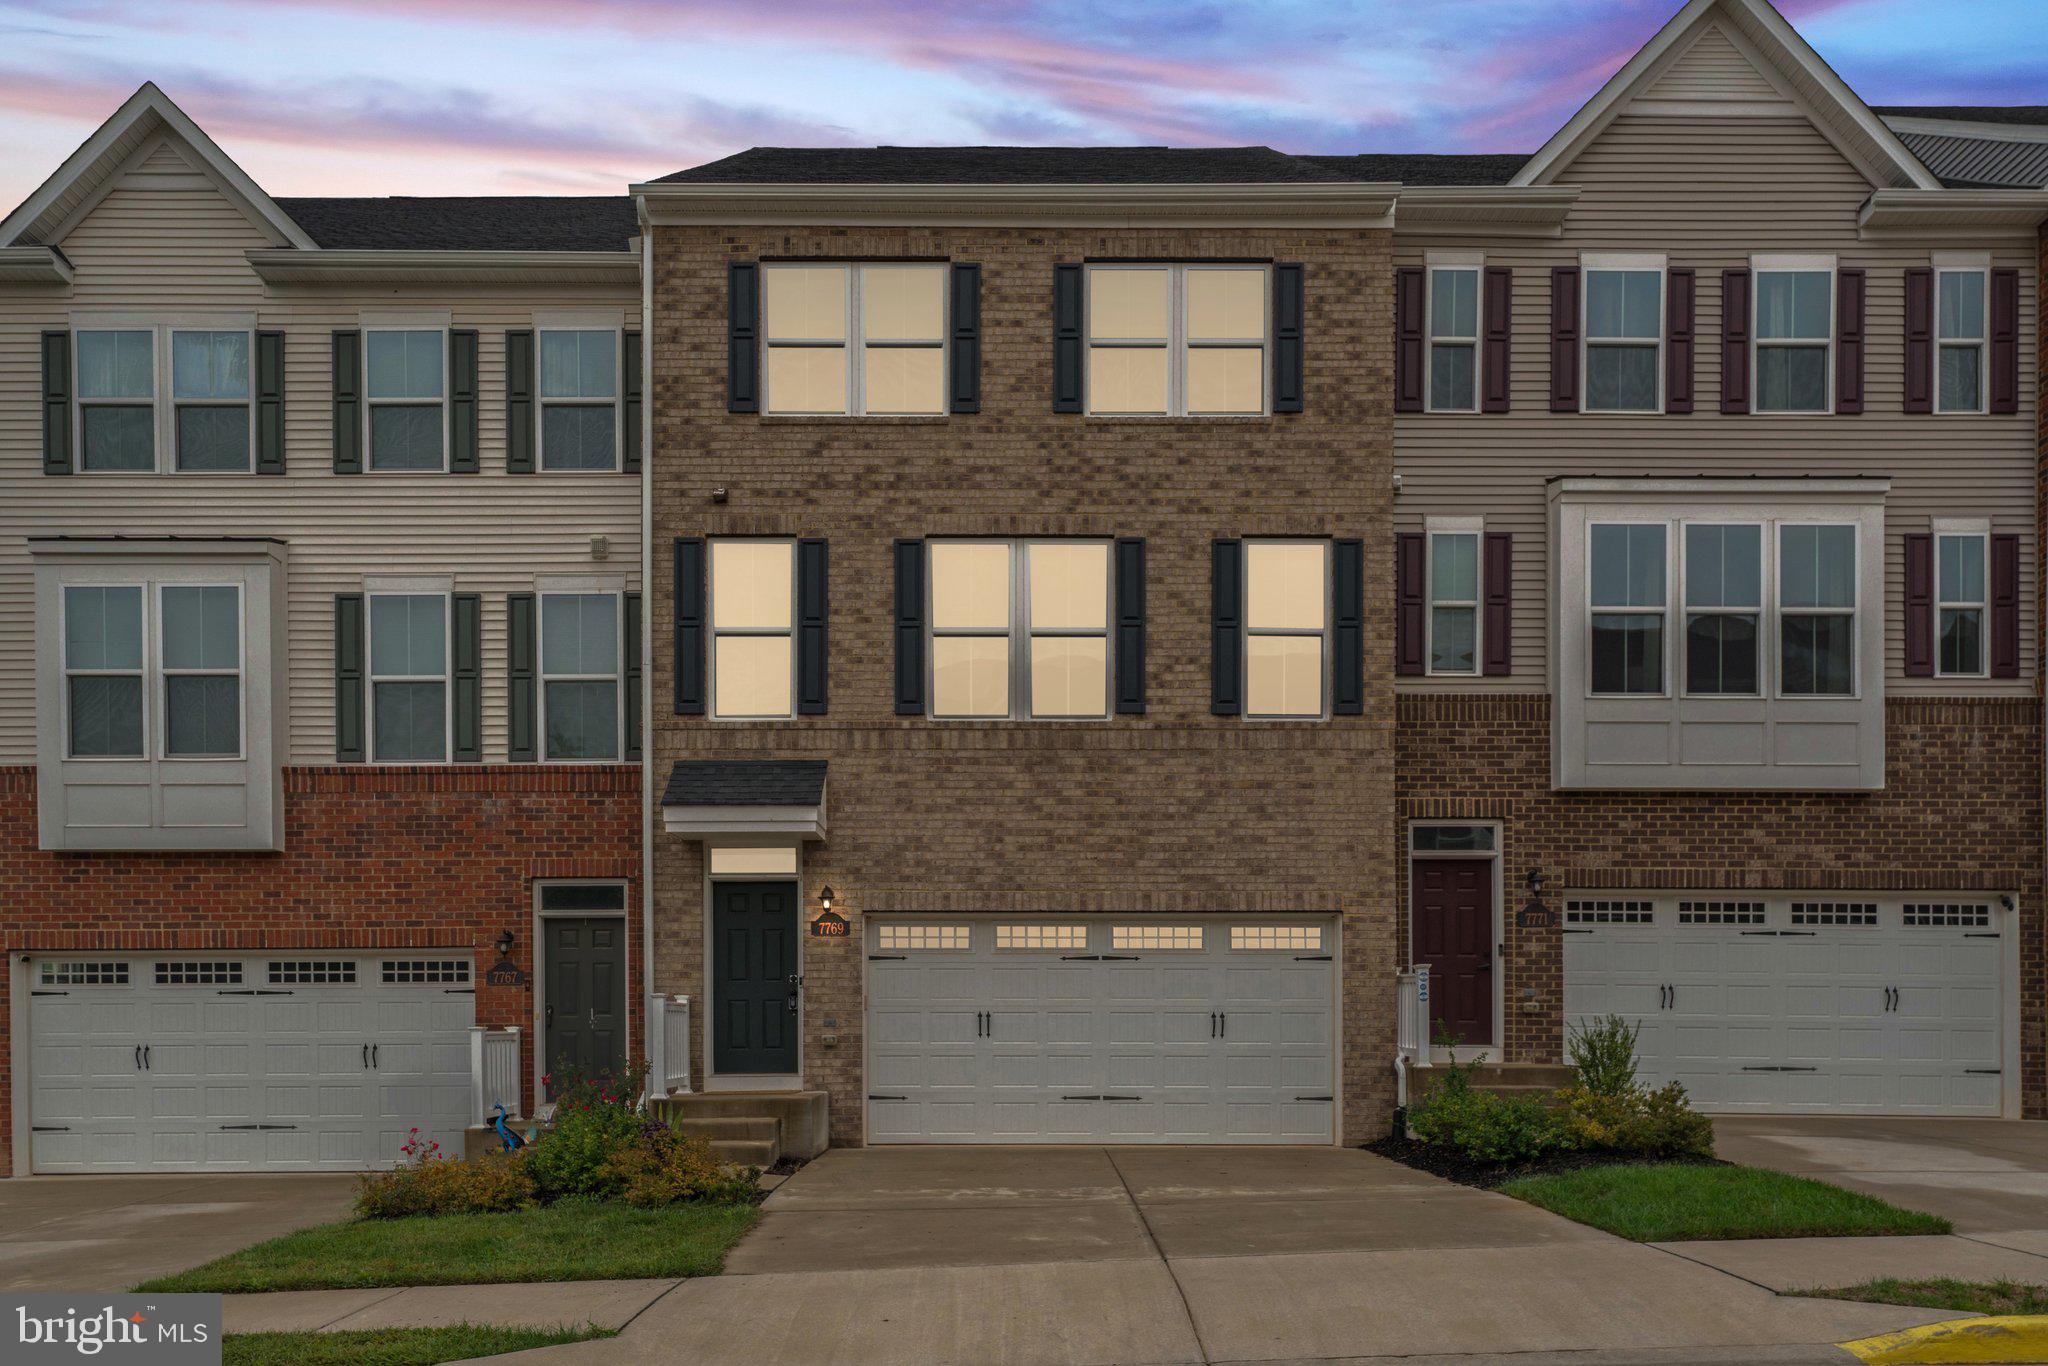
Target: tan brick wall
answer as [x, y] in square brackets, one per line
[1174, 811]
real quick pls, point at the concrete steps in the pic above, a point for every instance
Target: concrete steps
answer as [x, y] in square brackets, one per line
[756, 1128]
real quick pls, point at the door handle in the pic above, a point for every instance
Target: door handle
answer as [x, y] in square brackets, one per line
[373, 1055]
[145, 1057]
[138, 1057]
[366, 1057]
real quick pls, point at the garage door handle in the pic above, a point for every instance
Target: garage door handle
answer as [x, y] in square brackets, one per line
[1781, 1069]
[1120, 1097]
[366, 1057]
[138, 1057]
[373, 1055]
[145, 1057]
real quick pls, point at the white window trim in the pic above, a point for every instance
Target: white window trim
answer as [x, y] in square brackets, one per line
[1766, 651]
[1774, 593]
[612, 322]
[855, 342]
[1964, 264]
[1019, 633]
[1327, 634]
[617, 678]
[1474, 264]
[1474, 527]
[1979, 527]
[1589, 263]
[440, 327]
[1662, 613]
[1760, 266]
[1176, 343]
[787, 632]
[163, 401]
[446, 678]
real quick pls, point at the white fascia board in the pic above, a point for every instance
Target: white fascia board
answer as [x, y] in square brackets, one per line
[33, 266]
[1491, 210]
[1603, 488]
[332, 267]
[2017, 210]
[1335, 205]
[804, 822]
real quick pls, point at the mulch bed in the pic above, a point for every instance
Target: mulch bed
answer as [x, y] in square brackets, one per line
[1453, 1165]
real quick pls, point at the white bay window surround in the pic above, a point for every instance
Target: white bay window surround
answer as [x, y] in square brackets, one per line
[163, 393]
[1717, 633]
[159, 664]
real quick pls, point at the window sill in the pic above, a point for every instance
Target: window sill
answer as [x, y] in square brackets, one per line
[857, 419]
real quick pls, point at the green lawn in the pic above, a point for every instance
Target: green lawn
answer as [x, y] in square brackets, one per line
[569, 1241]
[1964, 1297]
[393, 1346]
[1670, 1201]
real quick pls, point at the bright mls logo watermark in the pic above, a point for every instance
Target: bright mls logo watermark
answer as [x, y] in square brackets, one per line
[164, 1330]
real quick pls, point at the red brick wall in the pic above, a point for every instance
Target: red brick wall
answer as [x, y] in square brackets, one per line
[1961, 810]
[381, 857]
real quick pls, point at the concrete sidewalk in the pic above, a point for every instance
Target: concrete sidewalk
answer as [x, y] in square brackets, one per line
[560, 1304]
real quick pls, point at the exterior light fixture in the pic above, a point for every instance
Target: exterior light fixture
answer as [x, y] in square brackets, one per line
[825, 898]
[1536, 881]
[504, 943]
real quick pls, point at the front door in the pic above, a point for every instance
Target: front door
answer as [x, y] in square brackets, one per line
[585, 1004]
[1452, 927]
[753, 977]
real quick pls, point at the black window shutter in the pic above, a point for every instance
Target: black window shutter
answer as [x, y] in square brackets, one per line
[1919, 606]
[56, 403]
[1734, 341]
[1226, 627]
[522, 631]
[467, 745]
[963, 379]
[2004, 371]
[1347, 646]
[462, 414]
[1410, 347]
[743, 337]
[519, 417]
[1411, 556]
[2005, 607]
[813, 618]
[1290, 325]
[1498, 585]
[1564, 340]
[1919, 376]
[348, 403]
[690, 637]
[909, 627]
[1680, 289]
[1497, 364]
[270, 403]
[636, 709]
[1849, 298]
[1130, 626]
[348, 678]
[629, 408]
[1066, 339]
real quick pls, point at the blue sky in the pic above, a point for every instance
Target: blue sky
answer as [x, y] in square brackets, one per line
[549, 96]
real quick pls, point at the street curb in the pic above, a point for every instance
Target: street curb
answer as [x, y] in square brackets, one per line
[2011, 1338]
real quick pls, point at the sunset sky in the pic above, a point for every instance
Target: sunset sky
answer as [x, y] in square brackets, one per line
[550, 96]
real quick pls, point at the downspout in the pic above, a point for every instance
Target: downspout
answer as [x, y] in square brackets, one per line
[646, 719]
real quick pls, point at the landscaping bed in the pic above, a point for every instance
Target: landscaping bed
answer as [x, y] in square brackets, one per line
[1963, 1297]
[1454, 1164]
[393, 1346]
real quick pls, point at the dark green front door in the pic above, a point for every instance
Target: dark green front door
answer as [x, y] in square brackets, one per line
[586, 996]
[753, 976]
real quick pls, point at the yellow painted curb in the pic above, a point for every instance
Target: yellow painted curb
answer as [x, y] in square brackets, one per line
[2012, 1338]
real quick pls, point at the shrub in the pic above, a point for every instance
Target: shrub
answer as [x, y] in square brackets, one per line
[1483, 1126]
[489, 1184]
[1603, 1054]
[574, 1157]
[666, 1167]
[1638, 1122]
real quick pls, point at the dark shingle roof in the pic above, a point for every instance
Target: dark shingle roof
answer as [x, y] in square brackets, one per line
[1007, 166]
[2035, 114]
[746, 782]
[474, 223]
[1426, 168]
[1982, 163]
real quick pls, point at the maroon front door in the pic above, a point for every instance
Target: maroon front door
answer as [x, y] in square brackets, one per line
[1453, 932]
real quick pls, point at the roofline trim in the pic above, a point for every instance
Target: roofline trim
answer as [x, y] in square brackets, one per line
[1508, 210]
[1355, 204]
[1959, 128]
[2019, 210]
[34, 266]
[331, 266]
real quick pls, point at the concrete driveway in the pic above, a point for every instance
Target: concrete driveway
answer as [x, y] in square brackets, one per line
[109, 1232]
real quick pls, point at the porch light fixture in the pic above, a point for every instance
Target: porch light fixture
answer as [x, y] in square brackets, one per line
[504, 943]
[1536, 881]
[825, 898]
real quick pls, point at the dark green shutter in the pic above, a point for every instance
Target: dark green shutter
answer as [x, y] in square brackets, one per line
[1130, 626]
[56, 403]
[1067, 388]
[519, 402]
[629, 413]
[348, 403]
[467, 747]
[909, 628]
[349, 681]
[270, 403]
[1347, 643]
[462, 408]
[964, 364]
[1226, 627]
[636, 719]
[689, 592]
[1290, 307]
[743, 337]
[813, 611]
[521, 635]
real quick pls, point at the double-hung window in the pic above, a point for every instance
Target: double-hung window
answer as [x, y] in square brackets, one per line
[1454, 339]
[196, 659]
[753, 597]
[117, 400]
[407, 379]
[1454, 600]
[1795, 327]
[579, 664]
[409, 693]
[1628, 600]
[1816, 609]
[1724, 603]
[1959, 314]
[207, 426]
[210, 389]
[855, 339]
[1624, 310]
[579, 399]
[103, 671]
[1286, 628]
[202, 667]
[1177, 340]
[1960, 572]
[1020, 629]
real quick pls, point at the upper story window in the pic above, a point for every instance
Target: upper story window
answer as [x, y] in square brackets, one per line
[1795, 328]
[1020, 629]
[579, 399]
[1286, 628]
[1626, 587]
[406, 383]
[1624, 334]
[409, 693]
[856, 339]
[1724, 604]
[117, 400]
[210, 400]
[1453, 598]
[121, 371]
[753, 596]
[1961, 573]
[1177, 340]
[1454, 339]
[1959, 314]
[579, 665]
[193, 671]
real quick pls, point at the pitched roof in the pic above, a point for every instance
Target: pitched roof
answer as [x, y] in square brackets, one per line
[746, 782]
[1982, 163]
[2022, 114]
[1007, 166]
[1425, 168]
[470, 223]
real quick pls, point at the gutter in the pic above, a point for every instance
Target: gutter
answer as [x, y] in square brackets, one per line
[646, 718]
[2011, 210]
[289, 266]
[1327, 204]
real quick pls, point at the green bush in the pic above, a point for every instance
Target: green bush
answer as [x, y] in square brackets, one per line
[1603, 1054]
[574, 1157]
[1483, 1126]
[666, 1167]
[491, 1184]
[1638, 1122]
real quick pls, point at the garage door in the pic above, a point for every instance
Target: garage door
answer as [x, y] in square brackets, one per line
[1076, 1030]
[1795, 1005]
[238, 1063]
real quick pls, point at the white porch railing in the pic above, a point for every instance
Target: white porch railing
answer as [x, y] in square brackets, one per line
[1411, 1027]
[493, 1073]
[668, 1045]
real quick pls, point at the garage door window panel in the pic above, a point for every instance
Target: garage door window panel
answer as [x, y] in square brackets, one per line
[1627, 593]
[1156, 936]
[198, 973]
[103, 671]
[1303, 938]
[943, 937]
[1041, 936]
[1817, 609]
[1286, 631]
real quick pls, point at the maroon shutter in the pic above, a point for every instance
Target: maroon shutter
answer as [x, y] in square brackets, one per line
[2005, 607]
[1849, 289]
[1919, 377]
[1678, 316]
[1734, 341]
[1919, 606]
[2005, 342]
[1497, 328]
[1499, 589]
[1409, 282]
[1410, 557]
[1564, 339]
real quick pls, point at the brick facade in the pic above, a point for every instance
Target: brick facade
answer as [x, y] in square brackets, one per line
[1176, 810]
[375, 857]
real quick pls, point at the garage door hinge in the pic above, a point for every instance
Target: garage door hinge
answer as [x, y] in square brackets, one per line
[1982, 1071]
[1313, 957]
[265, 1127]
[1301, 1098]
[49, 993]
[1080, 958]
[888, 958]
[888, 1097]
[1080, 1097]
[49, 1128]
[459, 991]
[1781, 1069]
[252, 991]
[1783, 934]
[1982, 934]
[1120, 1098]
[1578, 931]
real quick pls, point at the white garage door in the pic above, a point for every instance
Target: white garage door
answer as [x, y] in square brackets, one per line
[1878, 1005]
[1077, 1030]
[240, 1063]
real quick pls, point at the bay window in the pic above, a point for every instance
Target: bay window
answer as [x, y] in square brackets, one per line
[1624, 312]
[202, 669]
[1959, 338]
[1286, 627]
[1817, 610]
[1795, 327]
[1020, 629]
[103, 670]
[1179, 340]
[1627, 594]
[855, 339]
[1723, 575]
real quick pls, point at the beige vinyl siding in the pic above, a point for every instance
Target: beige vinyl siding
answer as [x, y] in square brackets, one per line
[161, 241]
[1709, 193]
[1712, 69]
